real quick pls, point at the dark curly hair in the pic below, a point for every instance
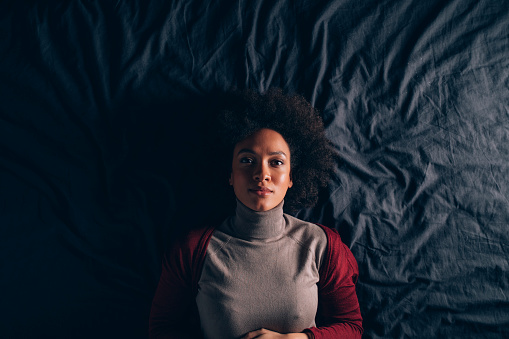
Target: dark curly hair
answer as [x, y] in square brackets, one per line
[312, 154]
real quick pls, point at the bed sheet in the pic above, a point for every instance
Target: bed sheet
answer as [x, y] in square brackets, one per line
[103, 110]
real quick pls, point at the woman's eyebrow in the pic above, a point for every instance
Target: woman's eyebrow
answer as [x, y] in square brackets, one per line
[278, 153]
[247, 150]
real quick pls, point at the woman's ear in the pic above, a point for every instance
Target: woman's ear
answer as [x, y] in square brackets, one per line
[230, 180]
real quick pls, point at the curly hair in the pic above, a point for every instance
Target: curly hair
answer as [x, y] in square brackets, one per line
[312, 154]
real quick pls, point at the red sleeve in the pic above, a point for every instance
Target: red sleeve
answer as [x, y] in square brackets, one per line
[339, 314]
[174, 313]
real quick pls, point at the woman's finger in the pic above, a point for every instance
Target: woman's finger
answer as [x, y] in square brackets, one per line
[255, 334]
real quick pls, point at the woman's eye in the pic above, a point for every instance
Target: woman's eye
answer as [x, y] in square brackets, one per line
[246, 161]
[277, 162]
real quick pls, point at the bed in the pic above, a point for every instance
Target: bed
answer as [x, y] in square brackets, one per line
[101, 112]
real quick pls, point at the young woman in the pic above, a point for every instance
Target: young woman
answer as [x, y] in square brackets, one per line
[263, 273]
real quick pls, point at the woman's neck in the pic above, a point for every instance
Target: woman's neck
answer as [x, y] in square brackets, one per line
[249, 224]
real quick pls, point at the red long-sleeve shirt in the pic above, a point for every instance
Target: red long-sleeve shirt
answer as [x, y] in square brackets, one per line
[174, 312]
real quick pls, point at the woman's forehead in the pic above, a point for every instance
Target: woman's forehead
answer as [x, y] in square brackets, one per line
[264, 140]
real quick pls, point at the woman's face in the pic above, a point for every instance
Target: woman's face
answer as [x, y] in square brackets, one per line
[261, 170]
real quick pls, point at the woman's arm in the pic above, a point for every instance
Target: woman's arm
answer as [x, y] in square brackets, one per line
[172, 307]
[174, 313]
[339, 313]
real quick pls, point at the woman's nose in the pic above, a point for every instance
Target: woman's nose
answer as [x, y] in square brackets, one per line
[261, 173]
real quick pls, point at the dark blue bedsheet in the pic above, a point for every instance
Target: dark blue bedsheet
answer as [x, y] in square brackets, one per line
[103, 107]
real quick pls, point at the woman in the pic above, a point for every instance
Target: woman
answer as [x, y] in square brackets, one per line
[263, 273]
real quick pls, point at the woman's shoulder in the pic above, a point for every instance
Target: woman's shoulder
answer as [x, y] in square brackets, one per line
[338, 252]
[308, 236]
[305, 229]
[327, 241]
[194, 238]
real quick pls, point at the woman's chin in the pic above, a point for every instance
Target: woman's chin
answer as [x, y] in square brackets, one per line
[261, 205]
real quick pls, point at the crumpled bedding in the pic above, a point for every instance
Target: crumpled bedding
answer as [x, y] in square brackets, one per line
[103, 106]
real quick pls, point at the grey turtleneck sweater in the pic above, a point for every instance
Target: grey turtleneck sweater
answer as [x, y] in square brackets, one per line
[260, 270]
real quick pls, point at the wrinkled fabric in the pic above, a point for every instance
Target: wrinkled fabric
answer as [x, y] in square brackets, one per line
[103, 105]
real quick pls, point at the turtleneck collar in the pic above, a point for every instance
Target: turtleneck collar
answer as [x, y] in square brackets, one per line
[249, 224]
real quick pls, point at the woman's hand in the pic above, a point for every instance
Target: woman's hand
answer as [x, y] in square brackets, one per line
[267, 334]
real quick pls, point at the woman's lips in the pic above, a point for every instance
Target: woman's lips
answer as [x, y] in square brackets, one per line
[261, 191]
